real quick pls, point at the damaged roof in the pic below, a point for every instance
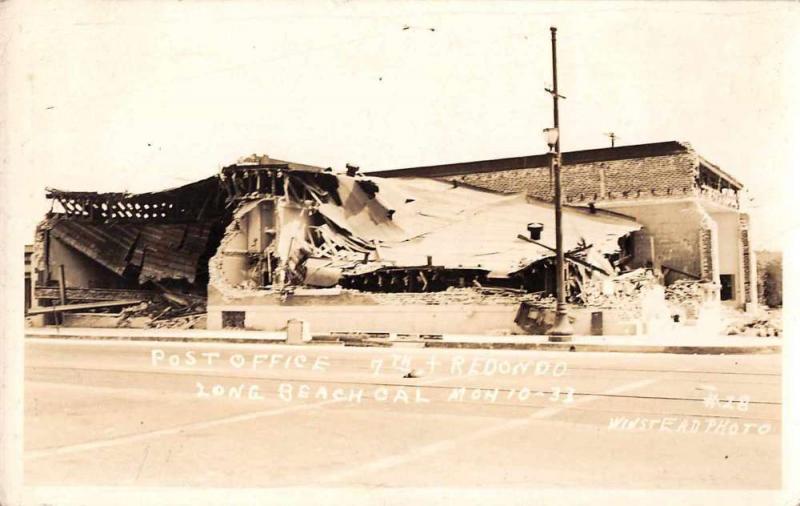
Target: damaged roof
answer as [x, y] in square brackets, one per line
[153, 251]
[461, 227]
[185, 204]
[398, 222]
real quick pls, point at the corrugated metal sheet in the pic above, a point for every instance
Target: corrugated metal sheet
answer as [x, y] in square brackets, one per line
[161, 251]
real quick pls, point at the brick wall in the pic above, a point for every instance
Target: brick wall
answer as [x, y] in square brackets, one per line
[659, 176]
[706, 254]
[748, 261]
[656, 190]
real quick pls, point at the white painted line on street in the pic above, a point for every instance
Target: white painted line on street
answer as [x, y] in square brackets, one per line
[133, 438]
[105, 443]
[447, 444]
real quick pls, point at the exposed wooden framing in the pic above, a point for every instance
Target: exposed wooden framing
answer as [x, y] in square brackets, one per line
[252, 180]
[46, 256]
[203, 209]
[652, 252]
[568, 254]
[668, 268]
[91, 294]
[83, 307]
[276, 224]
[206, 200]
[62, 285]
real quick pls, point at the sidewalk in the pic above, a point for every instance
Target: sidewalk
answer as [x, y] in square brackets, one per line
[623, 344]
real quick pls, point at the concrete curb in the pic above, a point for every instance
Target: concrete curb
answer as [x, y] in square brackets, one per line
[610, 348]
[438, 343]
[159, 339]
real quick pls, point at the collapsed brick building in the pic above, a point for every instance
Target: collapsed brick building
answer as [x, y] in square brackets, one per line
[691, 210]
[458, 248]
[266, 241]
[349, 252]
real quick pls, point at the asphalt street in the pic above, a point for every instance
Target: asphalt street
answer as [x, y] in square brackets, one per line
[241, 415]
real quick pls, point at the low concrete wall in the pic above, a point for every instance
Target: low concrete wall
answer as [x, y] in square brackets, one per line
[477, 319]
[100, 320]
[410, 318]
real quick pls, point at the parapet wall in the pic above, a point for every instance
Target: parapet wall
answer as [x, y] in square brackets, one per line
[636, 178]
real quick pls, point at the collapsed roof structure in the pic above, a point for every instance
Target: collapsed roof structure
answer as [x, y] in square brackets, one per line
[694, 213]
[323, 228]
[264, 226]
[155, 236]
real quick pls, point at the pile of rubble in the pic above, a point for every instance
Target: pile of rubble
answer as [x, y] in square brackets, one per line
[686, 296]
[633, 290]
[623, 292]
[195, 321]
[169, 310]
[472, 295]
[762, 324]
[686, 290]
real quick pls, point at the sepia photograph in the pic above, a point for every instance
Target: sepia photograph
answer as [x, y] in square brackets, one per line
[370, 252]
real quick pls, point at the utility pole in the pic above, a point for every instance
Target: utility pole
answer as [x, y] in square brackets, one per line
[613, 137]
[561, 330]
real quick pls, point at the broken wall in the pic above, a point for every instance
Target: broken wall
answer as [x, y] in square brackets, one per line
[675, 228]
[229, 267]
[292, 230]
[257, 249]
[248, 234]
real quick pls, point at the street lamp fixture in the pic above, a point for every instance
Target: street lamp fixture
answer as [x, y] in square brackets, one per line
[551, 137]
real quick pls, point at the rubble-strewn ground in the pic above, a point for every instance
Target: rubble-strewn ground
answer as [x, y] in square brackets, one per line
[765, 322]
[623, 292]
[474, 295]
[182, 312]
[636, 293]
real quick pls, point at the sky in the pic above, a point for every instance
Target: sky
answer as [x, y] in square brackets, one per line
[139, 96]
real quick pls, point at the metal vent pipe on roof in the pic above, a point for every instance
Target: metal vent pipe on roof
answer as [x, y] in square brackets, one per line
[535, 229]
[352, 170]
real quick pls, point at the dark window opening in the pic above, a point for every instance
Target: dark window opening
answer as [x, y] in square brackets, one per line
[233, 319]
[727, 290]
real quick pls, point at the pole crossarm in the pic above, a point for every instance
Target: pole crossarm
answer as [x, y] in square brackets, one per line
[553, 93]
